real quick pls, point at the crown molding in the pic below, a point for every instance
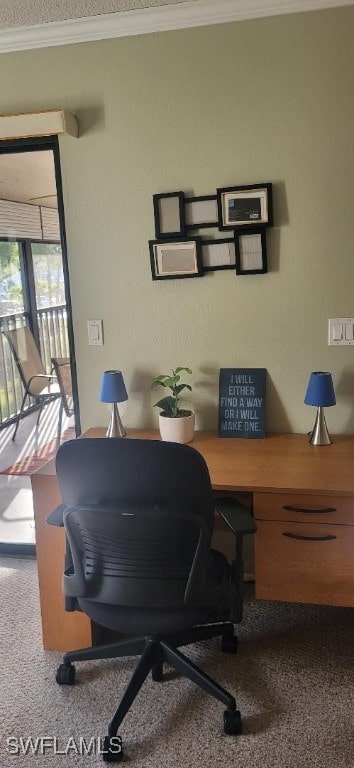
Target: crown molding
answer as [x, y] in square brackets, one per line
[180, 15]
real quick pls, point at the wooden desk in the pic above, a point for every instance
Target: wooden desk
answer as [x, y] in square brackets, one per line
[298, 489]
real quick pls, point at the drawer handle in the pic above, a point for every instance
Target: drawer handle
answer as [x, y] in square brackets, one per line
[309, 511]
[329, 537]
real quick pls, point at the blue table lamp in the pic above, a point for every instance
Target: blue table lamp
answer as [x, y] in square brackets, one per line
[320, 392]
[113, 391]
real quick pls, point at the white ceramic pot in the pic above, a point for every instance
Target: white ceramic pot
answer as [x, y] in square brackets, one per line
[177, 430]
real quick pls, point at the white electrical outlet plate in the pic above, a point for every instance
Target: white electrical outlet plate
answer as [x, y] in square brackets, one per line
[341, 331]
[95, 332]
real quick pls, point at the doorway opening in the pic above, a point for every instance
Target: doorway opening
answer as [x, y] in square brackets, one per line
[34, 303]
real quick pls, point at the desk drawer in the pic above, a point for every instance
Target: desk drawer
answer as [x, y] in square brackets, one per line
[303, 508]
[305, 562]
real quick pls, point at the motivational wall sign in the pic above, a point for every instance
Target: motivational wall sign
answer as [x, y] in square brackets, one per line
[242, 395]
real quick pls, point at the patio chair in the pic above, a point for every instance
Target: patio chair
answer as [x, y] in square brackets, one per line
[36, 381]
[61, 366]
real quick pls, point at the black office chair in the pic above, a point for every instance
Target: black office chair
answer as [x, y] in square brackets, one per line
[139, 518]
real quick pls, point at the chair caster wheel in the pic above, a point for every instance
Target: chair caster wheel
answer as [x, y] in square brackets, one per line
[112, 749]
[65, 674]
[229, 643]
[157, 673]
[232, 722]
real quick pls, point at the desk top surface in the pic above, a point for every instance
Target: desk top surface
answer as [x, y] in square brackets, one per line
[279, 463]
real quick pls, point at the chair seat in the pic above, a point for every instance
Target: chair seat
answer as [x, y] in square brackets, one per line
[40, 390]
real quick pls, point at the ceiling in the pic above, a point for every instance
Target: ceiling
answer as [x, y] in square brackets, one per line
[16, 13]
[28, 177]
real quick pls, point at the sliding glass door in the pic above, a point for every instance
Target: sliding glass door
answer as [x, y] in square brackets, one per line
[34, 292]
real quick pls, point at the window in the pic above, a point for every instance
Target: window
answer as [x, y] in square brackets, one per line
[11, 291]
[48, 274]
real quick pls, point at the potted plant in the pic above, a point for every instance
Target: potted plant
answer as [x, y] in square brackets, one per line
[176, 424]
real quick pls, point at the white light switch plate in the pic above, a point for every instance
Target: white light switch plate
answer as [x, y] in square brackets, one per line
[95, 332]
[341, 331]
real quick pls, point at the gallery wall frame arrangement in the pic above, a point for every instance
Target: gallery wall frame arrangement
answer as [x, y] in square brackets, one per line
[169, 214]
[171, 259]
[246, 206]
[241, 211]
[201, 212]
[251, 252]
[219, 254]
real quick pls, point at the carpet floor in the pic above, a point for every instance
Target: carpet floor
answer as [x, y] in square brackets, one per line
[292, 679]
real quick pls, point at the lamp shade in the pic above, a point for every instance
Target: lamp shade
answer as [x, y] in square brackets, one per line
[113, 388]
[320, 390]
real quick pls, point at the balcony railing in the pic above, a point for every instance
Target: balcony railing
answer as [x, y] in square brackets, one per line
[53, 338]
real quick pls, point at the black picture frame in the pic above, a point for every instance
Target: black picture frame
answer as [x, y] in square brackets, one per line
[205, 212]
[245, 207]
[251, 257]
[220, 260]
[188, 259]
[169, 215]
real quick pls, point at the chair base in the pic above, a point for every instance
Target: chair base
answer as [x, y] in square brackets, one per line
[134, 646]
[154, 652]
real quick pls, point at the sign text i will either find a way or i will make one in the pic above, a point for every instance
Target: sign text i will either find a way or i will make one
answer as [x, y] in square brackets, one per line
[242, 401]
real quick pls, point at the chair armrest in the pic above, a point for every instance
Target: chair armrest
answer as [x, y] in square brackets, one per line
[42, 376]
[56, 516]
[236, 516]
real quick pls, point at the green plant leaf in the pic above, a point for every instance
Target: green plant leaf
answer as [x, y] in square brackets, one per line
[170, 404]
[180, 387]
[167, 404]
[178, 370]
[158, 379]
[170, 382]
[155, 384]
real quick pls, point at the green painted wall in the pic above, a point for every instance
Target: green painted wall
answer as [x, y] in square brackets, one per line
[265, 100]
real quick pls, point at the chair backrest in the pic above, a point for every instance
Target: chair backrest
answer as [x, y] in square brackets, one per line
[62, 370]
[139, 520]
[26, 355]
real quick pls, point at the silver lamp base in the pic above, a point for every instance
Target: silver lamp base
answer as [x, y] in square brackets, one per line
[115, 426]
[320, 435]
